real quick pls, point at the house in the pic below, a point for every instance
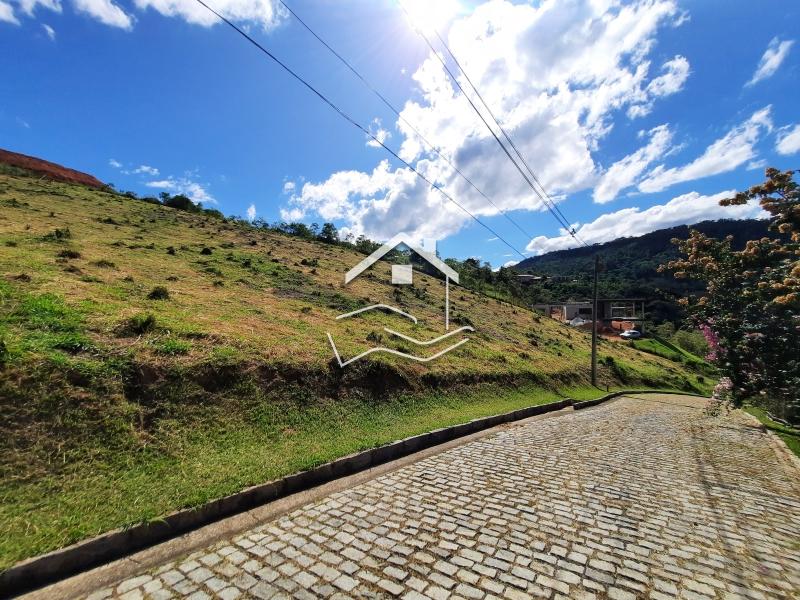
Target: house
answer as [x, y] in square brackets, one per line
[613, 313]
[404, 274]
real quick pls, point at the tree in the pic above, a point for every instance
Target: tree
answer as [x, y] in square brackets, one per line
[181, 202]
[329, 234]
[750, 311]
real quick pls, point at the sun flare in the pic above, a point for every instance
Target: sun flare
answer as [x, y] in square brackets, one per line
[431, 15]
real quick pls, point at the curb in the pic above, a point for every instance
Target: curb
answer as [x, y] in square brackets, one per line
[612, 395]
[39, 571]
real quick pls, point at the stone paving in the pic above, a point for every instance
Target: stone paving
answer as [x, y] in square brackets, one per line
[642, 498]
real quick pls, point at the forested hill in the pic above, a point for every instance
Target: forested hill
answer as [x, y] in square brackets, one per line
[630, 265]
[640, 256]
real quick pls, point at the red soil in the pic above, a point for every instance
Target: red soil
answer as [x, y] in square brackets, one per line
[48, 169]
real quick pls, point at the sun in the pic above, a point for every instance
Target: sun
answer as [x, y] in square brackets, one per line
[431, 15]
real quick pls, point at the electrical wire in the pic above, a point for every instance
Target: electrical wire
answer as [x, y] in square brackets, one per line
[353, 122]
[549, 204]
[397, 113]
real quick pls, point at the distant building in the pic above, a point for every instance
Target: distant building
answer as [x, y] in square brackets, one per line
[613, 313]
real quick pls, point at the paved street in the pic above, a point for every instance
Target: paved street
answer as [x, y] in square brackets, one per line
[637, 498]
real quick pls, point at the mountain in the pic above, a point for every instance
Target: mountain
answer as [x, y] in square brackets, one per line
[153, 358]
[630, 267]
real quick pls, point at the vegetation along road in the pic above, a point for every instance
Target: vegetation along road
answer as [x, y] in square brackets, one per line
[645, 496]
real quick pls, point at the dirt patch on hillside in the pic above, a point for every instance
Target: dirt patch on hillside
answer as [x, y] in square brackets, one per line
[49, 169]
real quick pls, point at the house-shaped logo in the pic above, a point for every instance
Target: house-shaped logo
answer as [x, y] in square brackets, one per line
[404, 275]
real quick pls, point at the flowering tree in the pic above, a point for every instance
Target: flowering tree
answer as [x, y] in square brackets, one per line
[750, 311]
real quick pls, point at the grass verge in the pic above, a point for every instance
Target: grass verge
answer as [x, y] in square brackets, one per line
[789, 435]
[98, 495]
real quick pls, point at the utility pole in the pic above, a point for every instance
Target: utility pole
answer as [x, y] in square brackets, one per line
[594, 321]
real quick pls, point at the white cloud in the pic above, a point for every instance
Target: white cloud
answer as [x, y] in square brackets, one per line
[106, 12]
[7, 13]
[555, 74]
[114, 163]
[251, 213]
[727, 153]
[771, 60]
[258, 12]
[51, 33]
[185, 186]
[289, 187]
[380, 134]
[789, 141]
[265, 13]
[630, 222]
[146, 170]
[23, 123]
[756, 164]
[675, 74]
[625, 172]
[29, 6]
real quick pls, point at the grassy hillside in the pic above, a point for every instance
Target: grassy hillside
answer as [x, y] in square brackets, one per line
[152, 359]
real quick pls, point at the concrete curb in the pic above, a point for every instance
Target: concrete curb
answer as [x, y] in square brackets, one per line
[612, 395]
[39, 571]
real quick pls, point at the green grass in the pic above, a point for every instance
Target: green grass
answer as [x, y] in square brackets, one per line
[194, 466]
[789, 435]
[661, 347]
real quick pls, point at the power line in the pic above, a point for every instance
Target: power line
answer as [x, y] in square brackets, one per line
[397, 113]
[353, 122]
[556, 214]
[508, 138]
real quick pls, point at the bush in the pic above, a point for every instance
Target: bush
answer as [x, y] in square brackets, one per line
[69, 254]
[58, 235]
[691, 341]
[105, 264]
[4, 354]
[171, 250]
[158, 293]
[206, 251]
[138, 325]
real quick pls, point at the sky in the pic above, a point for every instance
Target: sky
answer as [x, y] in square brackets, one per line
[634, 115]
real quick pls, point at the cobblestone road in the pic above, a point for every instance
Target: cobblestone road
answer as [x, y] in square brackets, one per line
[632, 499]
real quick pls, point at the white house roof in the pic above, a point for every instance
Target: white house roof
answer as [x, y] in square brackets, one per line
[400, 238]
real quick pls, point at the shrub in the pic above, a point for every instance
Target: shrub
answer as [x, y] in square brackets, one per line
[171, 250]
[105, 264]
[4, 354]
[692, 341]
[310, 262]
[206, 251]
[137, 325]
[58, 235]
[11, 243]
[158, 293]
[69, 254]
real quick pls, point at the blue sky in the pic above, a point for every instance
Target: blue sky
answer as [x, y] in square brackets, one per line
[635, 115]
